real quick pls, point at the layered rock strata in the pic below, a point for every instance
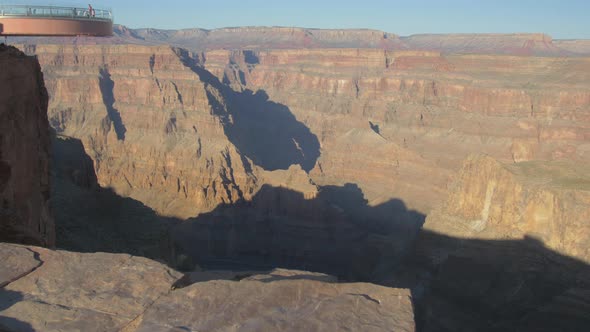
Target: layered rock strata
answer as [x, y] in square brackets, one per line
[263, 38]
[25, 215]
[414, 115]
[146, 122]
[547, 200]
[389, 120]
[507, 251]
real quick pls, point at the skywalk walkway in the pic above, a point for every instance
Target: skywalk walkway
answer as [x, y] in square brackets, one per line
[30, 20]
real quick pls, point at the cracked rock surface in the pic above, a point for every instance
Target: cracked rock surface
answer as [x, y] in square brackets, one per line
[47, 290]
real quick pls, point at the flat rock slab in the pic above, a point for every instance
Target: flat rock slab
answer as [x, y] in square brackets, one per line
[17, 261]
[280, 305]
[50, 290]
[80, 292]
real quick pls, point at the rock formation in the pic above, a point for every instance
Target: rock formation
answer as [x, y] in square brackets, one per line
[506, 251]
[335, 232]
[399, 123]
[399, 106]
[145, 120]
[548, 200]
[200, 134]
[322, 150]
[261, 38]
[49, 290]
[25, 215]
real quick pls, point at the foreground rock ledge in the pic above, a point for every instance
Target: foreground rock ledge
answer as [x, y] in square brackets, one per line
[66, 291]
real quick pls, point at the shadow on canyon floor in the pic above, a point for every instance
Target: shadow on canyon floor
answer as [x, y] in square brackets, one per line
[8, 324]
[457, 284]
[264, 131]
[89, 218]
[335, 232]
[493, 285]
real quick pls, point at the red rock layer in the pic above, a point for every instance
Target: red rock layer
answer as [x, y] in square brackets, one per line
[145, 120]
[400, 123]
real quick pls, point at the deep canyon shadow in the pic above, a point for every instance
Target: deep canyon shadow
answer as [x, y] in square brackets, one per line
[457, 284]
[89, 218]
[335, 232]
[264, 131]
[493, 285]
[8, 299]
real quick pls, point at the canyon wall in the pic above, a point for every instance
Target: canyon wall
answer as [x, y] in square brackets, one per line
[506, 251]
[146, 122]
[191, 133]
[547, 200]
[25, 215]
[389, 120]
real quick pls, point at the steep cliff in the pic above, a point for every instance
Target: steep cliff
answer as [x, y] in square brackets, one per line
[146, 122]
[24, 151]
[547, 200]
[399, 123]
[210, 128]
[507, 251]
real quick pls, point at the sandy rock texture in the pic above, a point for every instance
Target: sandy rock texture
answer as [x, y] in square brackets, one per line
[66, 291]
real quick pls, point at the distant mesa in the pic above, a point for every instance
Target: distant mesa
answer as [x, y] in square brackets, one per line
[32, 20]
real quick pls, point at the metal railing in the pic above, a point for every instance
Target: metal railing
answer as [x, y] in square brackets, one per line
[77, 13]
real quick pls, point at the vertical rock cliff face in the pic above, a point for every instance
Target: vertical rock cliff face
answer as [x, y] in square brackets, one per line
[185, 132]
[146, 121]
[24, 151]
[162, 129]
[399, 123]
[549, 201]
[508, 250]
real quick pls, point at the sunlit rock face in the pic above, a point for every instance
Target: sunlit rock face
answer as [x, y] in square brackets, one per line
[507, 250]
[193, 133]
[25, 215]
[395, 119]
[547, 200]
[400, 123]
[166, 133]
[311, 150]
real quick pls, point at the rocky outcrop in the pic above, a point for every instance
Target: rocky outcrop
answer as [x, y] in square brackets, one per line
[549, 201]
[394, 119]
[24, 151]
[65, 291]
[337, 112]
[507, 251]
[164, 132]
[334, 231]
[146, 121]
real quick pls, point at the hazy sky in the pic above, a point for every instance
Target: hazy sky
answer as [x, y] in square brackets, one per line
[559, 18]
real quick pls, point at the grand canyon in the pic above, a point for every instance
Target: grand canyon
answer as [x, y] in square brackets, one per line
[258, 178]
